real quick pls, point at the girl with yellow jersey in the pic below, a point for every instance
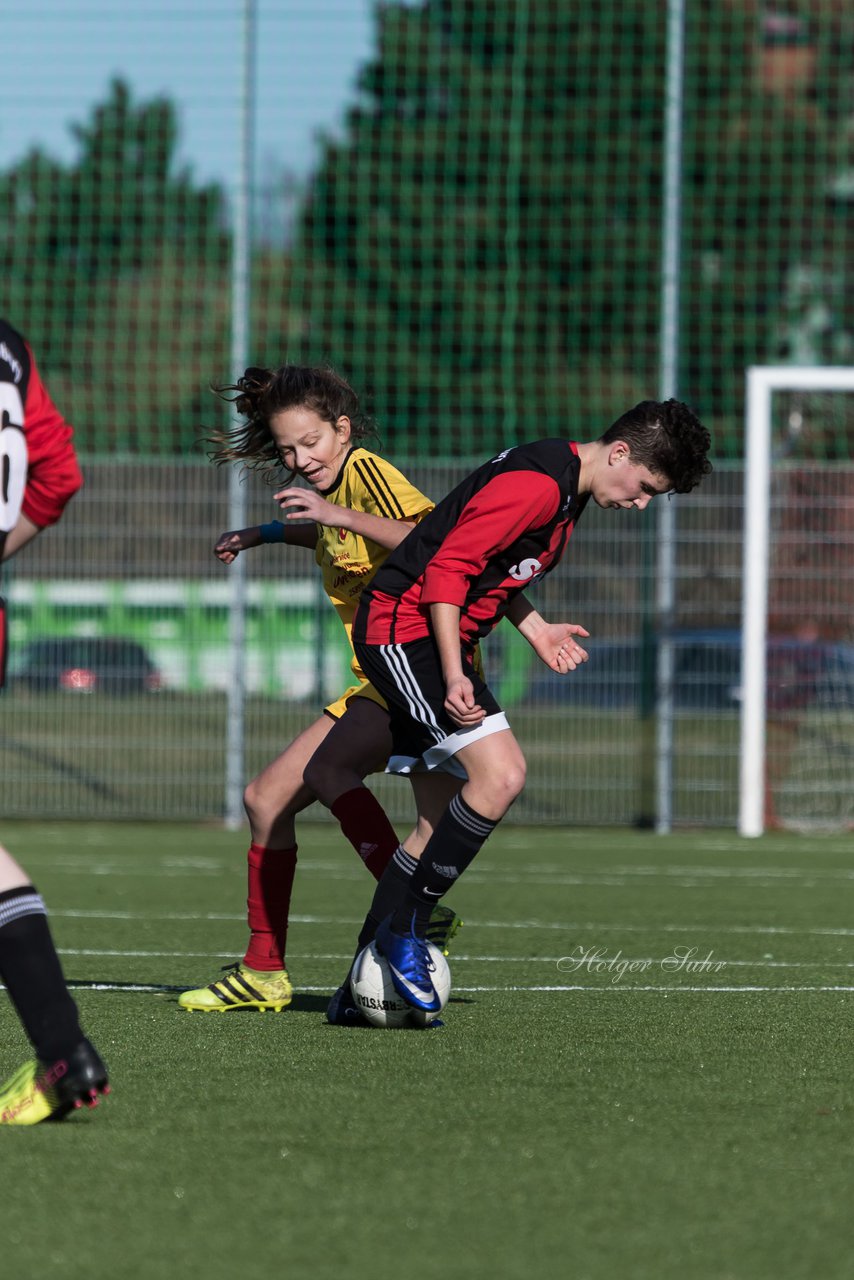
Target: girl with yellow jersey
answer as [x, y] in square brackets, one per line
[306, 422]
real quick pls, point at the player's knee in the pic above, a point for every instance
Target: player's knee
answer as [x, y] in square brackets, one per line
[513, 781]
[497, 792]
[253, 801]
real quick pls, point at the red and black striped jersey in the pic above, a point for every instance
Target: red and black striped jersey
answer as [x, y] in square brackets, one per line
[502, 528]
[39, 466]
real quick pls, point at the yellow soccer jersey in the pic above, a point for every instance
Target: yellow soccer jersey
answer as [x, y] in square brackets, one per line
[347, 560]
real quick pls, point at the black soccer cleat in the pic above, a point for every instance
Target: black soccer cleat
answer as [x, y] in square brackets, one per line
[343, 1011]
[49, 1091]
[83, 1081]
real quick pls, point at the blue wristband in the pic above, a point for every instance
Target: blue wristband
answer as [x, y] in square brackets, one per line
[272, 532]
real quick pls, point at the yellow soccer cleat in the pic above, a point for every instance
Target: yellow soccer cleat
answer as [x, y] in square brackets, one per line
[444, 923]
[37, 1092]
[242, 988]
[25, 1099]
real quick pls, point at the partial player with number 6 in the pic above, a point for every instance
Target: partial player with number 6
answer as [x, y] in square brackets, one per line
[39, 474]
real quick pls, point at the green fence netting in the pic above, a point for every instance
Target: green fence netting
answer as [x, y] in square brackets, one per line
[477, 245]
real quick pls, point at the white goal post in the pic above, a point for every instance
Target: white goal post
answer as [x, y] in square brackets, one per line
[762, 382]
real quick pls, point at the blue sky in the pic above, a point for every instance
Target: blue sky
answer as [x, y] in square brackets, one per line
[60, 57]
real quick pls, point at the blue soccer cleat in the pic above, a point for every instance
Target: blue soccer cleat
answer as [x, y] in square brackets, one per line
[410, 965]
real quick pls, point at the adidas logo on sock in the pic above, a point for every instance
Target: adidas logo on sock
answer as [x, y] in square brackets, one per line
[365, 850]
[450, 873]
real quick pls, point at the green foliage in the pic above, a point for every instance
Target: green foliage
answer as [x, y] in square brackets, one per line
[473, 259]
[484, 250]
[481, 251]
[759, 213]
[113, 268]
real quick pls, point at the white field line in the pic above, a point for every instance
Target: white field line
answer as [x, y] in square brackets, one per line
[532, 876]
[822, 841]
[79, 861]
[624, 989]
[296, 957]
[738, 872]
[566, 926]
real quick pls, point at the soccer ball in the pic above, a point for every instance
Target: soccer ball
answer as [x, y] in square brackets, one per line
[376, 998]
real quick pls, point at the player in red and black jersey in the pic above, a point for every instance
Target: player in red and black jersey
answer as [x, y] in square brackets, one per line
[40, 472]
[448, 584]
[38, 476]
[503, 527]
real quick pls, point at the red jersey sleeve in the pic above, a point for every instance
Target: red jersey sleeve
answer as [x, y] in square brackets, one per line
[491, 520]
[53, 475]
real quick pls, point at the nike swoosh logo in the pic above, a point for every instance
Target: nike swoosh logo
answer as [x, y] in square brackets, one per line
[431, 893]
[423, 997]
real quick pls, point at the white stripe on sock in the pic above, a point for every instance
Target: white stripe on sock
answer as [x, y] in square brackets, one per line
[27, 904]
[404, 860]
[480, 827]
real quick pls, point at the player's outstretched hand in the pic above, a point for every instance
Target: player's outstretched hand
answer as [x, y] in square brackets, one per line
[229, 545]
[306, 504]
[460, 704]
[557, 646]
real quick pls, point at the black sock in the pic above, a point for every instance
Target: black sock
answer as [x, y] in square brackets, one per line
[458, 837]
[30, 969]
[390, 891]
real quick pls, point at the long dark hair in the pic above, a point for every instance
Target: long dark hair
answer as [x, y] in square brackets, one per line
[260, 393]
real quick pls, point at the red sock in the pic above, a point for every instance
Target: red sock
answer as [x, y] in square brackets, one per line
[271, 878]
[365, 824]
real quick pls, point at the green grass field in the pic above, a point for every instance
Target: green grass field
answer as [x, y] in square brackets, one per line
[645, 1070]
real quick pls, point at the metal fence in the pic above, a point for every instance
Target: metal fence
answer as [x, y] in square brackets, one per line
[135, 562]
[523, 218]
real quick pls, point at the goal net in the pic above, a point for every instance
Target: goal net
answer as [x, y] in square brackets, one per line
[797, 723]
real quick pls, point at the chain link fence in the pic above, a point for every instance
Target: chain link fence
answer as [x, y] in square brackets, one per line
[476, 242]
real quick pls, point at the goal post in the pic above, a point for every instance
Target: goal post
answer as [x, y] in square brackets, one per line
[762, 382]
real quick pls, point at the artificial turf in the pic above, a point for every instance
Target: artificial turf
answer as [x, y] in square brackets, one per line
[645, 1068]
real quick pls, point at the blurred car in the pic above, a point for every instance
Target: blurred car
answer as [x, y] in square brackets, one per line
[85, 664]
[707, 674]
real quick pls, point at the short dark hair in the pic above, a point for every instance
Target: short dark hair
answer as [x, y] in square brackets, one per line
[668, 438]
[260, 393]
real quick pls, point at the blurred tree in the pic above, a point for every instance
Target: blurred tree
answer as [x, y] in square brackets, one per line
[483, 249]
[113, 265]
[761, 154]
[464, 253]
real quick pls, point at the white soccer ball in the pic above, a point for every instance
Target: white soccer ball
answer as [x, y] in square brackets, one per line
[375, 996]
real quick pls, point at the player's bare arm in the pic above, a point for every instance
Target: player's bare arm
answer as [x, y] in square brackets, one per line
[229, 545]
[305, 504]
[459, 693]
[554, 642]
[23, 532]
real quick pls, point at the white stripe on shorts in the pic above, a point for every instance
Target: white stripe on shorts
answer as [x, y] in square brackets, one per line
[404, 679]
[441, 757]
[435, 756]
[404, 765]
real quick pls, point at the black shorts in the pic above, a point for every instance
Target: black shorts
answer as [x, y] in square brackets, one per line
[409, 677]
